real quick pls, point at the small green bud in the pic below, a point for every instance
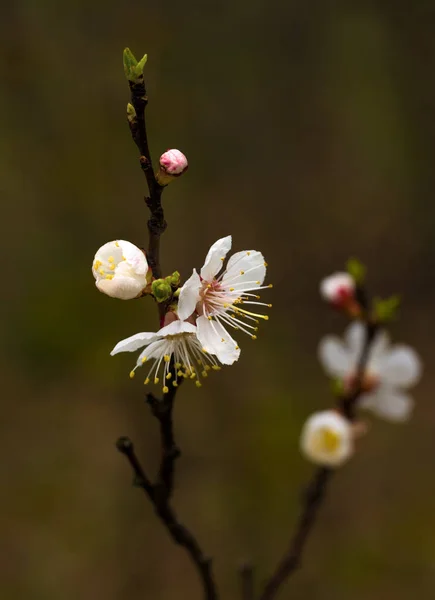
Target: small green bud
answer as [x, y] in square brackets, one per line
[337, 387]
[161, 290]
[131, 113]
[356, 270]
[386, 310]
[132, 68]
[174, 279]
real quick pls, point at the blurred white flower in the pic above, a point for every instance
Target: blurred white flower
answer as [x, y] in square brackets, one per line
[120, 270]
[177, 340]
[337, 289]
[327, 438]
[221, 299]
[390, 370]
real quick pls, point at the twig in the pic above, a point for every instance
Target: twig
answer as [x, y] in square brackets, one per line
[160, 492]
[316, 490]
[179, 533]
[247, 581]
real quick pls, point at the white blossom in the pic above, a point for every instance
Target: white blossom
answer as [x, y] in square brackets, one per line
[327, 438]
[338, 288]
[179, 341]
[221, 297]
[390, 370]
[120, 270]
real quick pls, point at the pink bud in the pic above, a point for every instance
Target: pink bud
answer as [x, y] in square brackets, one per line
[338, 289]
[173, 163]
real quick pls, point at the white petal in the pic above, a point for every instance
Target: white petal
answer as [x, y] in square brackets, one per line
[110, 249]
[134, 256]
[401, 367]
[377, 352]
[134, 342]
[189, 296]
[393, 405]
[215, 339]
[175, 328]
[123, 288]
[335, 357]
[213, 261]
[245, 266]
[354, 337]
[155, 351]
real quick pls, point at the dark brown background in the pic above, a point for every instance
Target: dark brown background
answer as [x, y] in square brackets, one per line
[309, 128]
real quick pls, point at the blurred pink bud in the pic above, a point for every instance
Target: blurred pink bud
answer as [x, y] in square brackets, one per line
[173, 163]
[338, 289]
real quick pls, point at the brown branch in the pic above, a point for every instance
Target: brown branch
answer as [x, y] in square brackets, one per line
[247, 581]
[159, 497]
[316, 490]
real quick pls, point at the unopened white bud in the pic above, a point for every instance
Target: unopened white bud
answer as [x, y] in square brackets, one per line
[338, 289]
[120, 270]
[327, 439]
[172, 163]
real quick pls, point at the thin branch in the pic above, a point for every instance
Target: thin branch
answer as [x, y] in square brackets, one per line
[156, 223]
[179, 533]
[247, 581]
[316, 490]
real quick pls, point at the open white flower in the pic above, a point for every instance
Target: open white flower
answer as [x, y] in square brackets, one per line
[327, 438]
[389, 371]
[177, 340]
[220, 297]
[120, 270]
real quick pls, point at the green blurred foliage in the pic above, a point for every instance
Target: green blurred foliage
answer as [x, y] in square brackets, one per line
[309, 129]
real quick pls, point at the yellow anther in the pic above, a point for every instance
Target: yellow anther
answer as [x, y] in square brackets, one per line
[265, 264]
[168, 376]
[207, 367]
[258, 297]
[222, 258]
[132, 374]
[223, 340]
[226, 305]
[192, 375]
[123, 257]
[270, 285]
[116, 244]
[180, 373]
[109, 277]
[216, 368]
[237, 348]
[269, 305]
[204, 350]
[255, 328]
[210, 318]
[209, 286]
[175, 384]
[97, 264]
[167, 358]
[178, 365]
[165, 389]
[144, 359]
[265, 317]
[254, 337]
[242, 272]
[101, 271]
[156, 380]
[112, 267]
[231, 289]
[198, 383]
[111, 259]
[258, 282]
[248, 253]
[204, 374]
[147, 380]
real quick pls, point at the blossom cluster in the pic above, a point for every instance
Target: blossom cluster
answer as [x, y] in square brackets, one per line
[328, 437]
[194, 337]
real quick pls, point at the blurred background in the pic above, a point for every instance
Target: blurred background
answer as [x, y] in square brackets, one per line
[310, 132]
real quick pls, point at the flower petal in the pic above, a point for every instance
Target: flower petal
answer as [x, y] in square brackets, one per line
[354, 337]
[390, 404]
[175, 328]
[401, 367]
[123, 288]
[134, 256]
[335, 357]
[134, 342]
[377, 352]
[213, 261]
[215, 339]
[245, 266]
[189, 296]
